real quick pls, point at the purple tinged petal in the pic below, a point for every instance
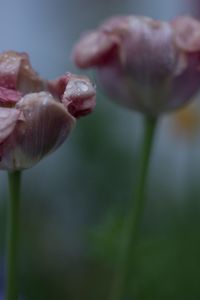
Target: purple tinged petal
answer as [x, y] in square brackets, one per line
[187, 84]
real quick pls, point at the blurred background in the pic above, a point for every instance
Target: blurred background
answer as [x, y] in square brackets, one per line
[74, 201]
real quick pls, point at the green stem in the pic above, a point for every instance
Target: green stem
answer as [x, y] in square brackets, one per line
[12, 235]
[134, 217]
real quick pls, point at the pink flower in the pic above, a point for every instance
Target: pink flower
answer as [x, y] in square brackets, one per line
[36, 116]
[143, 64]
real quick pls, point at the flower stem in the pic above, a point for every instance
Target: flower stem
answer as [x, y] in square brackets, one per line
[12, 235]
[134, 217]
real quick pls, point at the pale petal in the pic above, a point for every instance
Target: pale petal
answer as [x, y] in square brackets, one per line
[79, 96]
[8, 120]
[77, 93]
[47, 124]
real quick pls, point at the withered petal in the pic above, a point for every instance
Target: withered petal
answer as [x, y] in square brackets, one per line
[16, 73]
[79, 96]
[77, 93]
[47, 123]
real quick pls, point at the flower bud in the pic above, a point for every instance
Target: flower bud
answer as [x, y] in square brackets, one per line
[35, 115]
[143, 64]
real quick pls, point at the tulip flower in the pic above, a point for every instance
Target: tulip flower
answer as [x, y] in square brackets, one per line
[149, 66]
[36, 117]
[143, 64]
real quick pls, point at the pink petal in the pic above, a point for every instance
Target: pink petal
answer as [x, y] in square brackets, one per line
[94, 48]
[57, 86]
[79, 96]
[8, 120]
[76, 93]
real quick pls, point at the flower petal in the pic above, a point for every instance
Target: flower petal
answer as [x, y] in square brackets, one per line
[9, 97]
[94, 48]
[57, 86]
[8, 120]
[45, 126]
[77, 93]
[187, 33]
[79, 96]
[16, 73]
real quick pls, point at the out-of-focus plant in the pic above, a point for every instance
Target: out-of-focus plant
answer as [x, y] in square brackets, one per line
[186, 122]
[36, 116]
[148, 66]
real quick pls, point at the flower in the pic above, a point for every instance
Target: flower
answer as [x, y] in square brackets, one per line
[146, 65]
[36, 115]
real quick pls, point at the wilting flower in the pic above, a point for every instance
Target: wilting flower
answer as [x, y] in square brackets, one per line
[36, 115]
[143, 64]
